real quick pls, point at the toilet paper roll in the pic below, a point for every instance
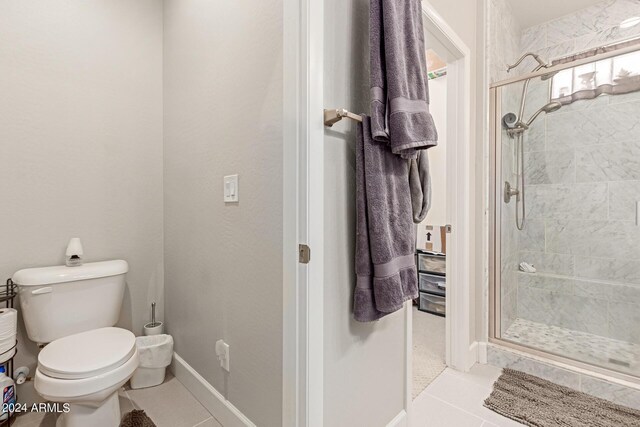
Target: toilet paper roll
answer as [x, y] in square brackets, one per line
[8, 333]
[6, 356]
[6, 345]
[8, 322]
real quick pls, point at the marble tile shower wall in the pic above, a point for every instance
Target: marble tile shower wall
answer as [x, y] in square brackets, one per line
[502, 47]
[591, 27]
[582, 166]
[503, 38]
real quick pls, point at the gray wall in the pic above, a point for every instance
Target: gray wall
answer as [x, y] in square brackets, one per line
[81, 142]
[223, 263]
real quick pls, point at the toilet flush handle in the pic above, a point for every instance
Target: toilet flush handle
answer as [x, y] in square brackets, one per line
[46, 290]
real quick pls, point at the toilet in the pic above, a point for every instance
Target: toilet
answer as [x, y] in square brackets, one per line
[85, 360]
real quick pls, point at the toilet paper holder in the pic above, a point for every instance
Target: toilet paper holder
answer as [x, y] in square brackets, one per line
[8, 294]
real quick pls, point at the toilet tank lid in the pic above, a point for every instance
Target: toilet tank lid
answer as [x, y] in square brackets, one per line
[61, 273]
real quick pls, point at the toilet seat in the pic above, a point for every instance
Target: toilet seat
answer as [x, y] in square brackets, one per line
[90, 389]
[87, 354]
[84, 364]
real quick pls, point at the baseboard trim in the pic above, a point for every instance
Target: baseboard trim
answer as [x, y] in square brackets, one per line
[221, 409]
[472, 356]
[399, 420]
[482, 352]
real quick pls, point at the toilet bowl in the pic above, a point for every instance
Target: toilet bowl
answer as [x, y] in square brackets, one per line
[74, 309]
[86, 370]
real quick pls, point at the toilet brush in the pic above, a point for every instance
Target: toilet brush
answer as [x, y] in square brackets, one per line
[153, 314]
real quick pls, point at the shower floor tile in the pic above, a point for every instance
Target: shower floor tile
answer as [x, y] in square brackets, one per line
[608, 353]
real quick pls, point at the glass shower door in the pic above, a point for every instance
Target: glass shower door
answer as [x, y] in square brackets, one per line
[567, 252]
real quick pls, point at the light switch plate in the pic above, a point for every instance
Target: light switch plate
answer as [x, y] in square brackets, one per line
[231, 189]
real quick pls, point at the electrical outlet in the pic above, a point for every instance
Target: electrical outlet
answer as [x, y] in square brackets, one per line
[222, 351]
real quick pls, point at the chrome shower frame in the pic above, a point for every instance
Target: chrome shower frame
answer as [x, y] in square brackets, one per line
[496, 204]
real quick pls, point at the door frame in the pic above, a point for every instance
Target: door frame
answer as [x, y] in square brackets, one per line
[303, 222]
[461, 348]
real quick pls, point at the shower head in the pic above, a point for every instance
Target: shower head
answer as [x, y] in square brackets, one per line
[541, 63]
[549, 108]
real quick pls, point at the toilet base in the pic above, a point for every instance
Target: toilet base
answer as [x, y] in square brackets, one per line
[107, 414]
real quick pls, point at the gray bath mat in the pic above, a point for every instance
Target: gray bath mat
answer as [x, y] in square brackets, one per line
[136, 418]
[540, 403]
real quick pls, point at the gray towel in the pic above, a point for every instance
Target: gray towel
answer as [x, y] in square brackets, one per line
[399, 86]
[385, 234]
[420, 186]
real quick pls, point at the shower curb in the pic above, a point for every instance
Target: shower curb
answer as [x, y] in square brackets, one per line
[618, 393]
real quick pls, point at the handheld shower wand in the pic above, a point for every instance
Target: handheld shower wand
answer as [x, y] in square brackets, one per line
[517, 132]
[525, 86]
[548, 108]
[516, 126]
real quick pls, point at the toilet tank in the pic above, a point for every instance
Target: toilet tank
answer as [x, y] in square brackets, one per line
[60, 301]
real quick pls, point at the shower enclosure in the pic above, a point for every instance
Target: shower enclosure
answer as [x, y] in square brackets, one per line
[565, 259]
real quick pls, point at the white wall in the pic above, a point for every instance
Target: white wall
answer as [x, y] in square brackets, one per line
[466, 18]
[81, 142]
[223, 263]
[363, 362]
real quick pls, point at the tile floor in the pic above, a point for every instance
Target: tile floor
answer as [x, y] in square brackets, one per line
[455, 399]
[168, 405]
[441, 404]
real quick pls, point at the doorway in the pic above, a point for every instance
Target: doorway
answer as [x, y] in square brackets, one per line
[429, 309]
[448, 338]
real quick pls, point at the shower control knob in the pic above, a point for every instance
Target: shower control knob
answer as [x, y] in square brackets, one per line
[509, 192]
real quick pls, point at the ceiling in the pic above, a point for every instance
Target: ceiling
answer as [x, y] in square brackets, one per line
[529, 13]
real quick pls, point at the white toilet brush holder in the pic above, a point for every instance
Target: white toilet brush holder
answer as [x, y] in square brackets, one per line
[153, 328]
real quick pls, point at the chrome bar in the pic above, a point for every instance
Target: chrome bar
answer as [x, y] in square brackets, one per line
[332, 117]
[560, 67]
[495, 177]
